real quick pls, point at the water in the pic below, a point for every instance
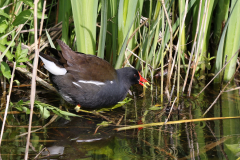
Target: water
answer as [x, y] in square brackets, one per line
[82, 138]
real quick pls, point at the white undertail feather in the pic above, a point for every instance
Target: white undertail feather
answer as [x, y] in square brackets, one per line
[52, 67]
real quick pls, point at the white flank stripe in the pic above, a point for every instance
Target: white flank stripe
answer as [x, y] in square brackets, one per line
[76, 84]
[92, 82]
[111, 82]
[53, 68]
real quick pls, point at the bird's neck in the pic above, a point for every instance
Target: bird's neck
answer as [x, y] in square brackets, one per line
[123, 79]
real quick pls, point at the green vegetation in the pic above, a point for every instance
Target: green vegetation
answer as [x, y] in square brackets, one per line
[147, 34]
[189, 39]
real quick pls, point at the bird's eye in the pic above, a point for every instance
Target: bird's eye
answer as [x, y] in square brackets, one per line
[135, 75]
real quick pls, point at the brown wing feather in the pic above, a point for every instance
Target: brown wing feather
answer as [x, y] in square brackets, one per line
[87, 67]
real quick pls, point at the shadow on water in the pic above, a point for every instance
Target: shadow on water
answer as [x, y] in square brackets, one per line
[76, 138]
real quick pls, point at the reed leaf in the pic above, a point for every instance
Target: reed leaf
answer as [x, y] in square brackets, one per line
[220, 18]
[122, 50]
[85, 17]
[103, 29]
[126, 14]
[220, 52]
[64, 13]
[232, 39]
[111, 38]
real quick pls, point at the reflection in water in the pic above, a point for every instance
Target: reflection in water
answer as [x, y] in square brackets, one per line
[53, 151]
[75, 139]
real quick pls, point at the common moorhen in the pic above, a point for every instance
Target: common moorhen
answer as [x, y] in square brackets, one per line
[88, 80]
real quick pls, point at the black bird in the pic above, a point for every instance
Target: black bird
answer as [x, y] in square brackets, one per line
[88, 80]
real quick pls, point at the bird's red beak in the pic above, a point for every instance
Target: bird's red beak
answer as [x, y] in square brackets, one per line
[143, 81]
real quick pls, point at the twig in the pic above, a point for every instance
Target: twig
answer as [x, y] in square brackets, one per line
[174, 81]
[6, 6]
[201, 38]
[96, 129]
[140, 58]
[97, 114]
[207, 147]
[216, 139]
[160, 67]
[127, 61]
[104, 117]
[194, 46]
[221, 92]
[161, 150]
[237, 88]
[171, 43]
[51, 121]
[100, 27]
[51, 29]
[170, 110]
[45, 41]
[119, 121]
[124, 63]
[45, 148]
[11, 43]
[20, 6]
[33, 88]
[219, 72]
[135, 31]
[10, 126]
[38, 79]
[30, 65]
[174, 122]
[41, 24]
[8, 100]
